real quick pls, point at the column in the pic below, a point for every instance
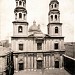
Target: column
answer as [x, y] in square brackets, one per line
[44, 45]
[25, 62]
[44, 63]
[32, 62]
[35, 63]
[61, 61]
[49, 61]
[16, 64]
[53, 61]
[28, 62]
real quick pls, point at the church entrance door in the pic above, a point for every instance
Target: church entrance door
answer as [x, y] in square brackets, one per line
[21, 66]
[56, 64]
[39, 64]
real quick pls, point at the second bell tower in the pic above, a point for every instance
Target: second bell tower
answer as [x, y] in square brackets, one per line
[20, 25]
[54, 25]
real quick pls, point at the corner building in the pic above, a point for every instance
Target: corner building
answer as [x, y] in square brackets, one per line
[33, 49]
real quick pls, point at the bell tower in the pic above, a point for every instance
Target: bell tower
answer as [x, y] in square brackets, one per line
[20, 25]
[54, 25]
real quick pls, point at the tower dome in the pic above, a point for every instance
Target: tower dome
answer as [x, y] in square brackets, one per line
[54, 1]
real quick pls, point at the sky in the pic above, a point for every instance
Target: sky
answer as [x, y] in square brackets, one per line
[38, 11]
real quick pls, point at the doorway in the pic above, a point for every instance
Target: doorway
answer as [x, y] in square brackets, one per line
[21, 66]
[56, 64]
[39, 64]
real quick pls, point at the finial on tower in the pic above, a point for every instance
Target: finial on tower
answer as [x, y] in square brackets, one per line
[34, 22]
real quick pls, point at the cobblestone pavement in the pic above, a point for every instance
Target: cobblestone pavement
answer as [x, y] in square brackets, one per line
[44, 72]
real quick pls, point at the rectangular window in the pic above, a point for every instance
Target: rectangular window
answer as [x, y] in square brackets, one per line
[56, 46]
[20, 46]
[39, 46]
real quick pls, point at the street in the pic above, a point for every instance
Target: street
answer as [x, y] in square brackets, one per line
[44, 72]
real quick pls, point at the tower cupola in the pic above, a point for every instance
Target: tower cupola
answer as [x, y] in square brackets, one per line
[54, 25]
[20, 10]
[54, 13]
[54, 5]
[20, 24]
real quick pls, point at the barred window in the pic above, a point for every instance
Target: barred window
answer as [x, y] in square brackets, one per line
[20, 46]
[39, 46]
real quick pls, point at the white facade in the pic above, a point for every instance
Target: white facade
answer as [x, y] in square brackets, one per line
[34, 50]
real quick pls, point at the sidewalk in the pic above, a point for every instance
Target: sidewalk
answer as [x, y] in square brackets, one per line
[44, 72]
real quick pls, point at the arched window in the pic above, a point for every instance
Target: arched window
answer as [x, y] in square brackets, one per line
[20, 15]
[55, 17]
[55, 5]
[56, 29]
[16, 3]
[52, 5]
[51, 17]
[24, 16]
[23, 3]
[20, 29]
[48, 30]
[20, 3]
[16, 16]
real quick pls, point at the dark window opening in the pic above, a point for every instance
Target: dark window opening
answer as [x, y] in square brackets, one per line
[56, 29]
[20, 29]
[20, 15]
[21, 66]
[20, 46]
[52, 6]
[39, 46]
[56, 64]
[55, 17]
[51, 17]
[16, 3]
[20, 3]
[24, 16]
[16, 16]
[55, 5]
[39, 64]
[23, 3]
[56, 46]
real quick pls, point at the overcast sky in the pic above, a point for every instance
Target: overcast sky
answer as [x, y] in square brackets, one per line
[38, 11]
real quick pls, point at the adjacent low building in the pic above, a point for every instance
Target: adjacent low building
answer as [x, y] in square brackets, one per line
[69, 57]
[70, 49]
[4, 49]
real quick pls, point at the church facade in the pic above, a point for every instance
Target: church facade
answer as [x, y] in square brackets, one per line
[33, 49]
